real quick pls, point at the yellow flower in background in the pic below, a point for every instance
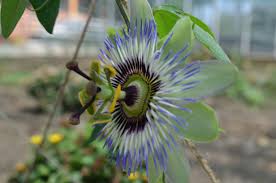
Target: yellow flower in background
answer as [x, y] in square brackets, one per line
[133, 176]
[55, 138]
[36, 139]
[20, 167]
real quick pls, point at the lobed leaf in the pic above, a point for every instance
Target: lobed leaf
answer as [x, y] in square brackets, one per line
[178, 169]
[167, 16]
[202, 122]
[179, 40]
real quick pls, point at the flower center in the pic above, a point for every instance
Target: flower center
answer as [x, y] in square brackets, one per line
[140, 84]
[137, 98]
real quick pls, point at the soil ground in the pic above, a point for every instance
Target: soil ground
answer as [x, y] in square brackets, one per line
[244, 153]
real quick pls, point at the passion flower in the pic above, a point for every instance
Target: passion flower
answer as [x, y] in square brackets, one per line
[149, 84]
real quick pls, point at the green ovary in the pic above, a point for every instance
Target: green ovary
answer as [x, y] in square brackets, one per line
[140, 106]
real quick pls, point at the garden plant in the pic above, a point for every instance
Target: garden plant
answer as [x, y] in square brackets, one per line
[144, 98]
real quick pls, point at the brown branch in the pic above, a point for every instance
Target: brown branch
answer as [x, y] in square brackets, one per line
[203, 162]
[60, 94]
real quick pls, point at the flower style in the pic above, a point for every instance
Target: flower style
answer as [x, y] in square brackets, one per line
[156, 88]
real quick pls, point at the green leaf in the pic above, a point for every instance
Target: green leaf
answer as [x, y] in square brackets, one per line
[167, 15]
[202, 122]
[95, 132]
[200, 24]
[214, 77]
[43, 170]
[206, 39]
[11, 12]
[111, 32]
[46, 15]
[165, 20]
[154, 173]
[178, 170]
[178, 39]
[139, 10]
[87, 160]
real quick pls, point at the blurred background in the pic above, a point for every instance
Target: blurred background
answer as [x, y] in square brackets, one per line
[32, 65]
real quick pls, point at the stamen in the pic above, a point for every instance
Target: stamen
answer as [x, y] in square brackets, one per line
[111, 70]
[73, 66]
[95, 66]
[115, 98]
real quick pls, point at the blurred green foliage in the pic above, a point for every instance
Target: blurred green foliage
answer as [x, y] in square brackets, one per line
[246, 92]
[74, 159]
[271, 82]
[13, 78]
[44, 90]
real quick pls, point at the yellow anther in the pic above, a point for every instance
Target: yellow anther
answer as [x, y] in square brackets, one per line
[111, 70]
[95, 66]
[133, 176]
[115, 98]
